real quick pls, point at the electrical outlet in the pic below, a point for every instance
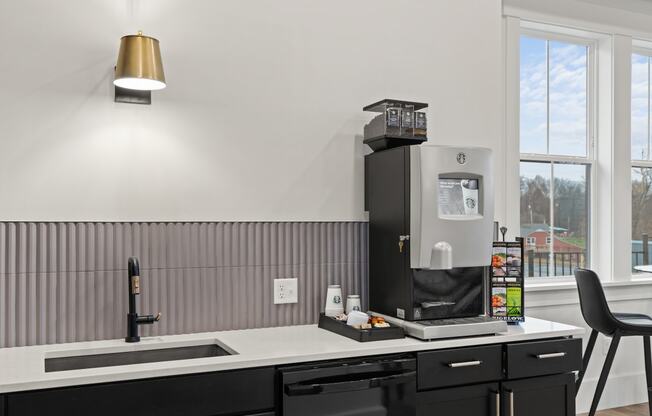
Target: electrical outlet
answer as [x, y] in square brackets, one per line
[286, 291]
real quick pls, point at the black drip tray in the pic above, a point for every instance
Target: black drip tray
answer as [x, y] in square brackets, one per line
[80, 362]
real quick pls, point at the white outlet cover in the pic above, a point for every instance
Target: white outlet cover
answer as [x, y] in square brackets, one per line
[286, 291]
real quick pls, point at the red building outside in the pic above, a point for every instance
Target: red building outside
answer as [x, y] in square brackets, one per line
[540, 241]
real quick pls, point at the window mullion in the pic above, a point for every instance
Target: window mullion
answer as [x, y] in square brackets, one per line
[647, 156]
[588, 126]
[531, 157]
[551, 259]
[547, 97]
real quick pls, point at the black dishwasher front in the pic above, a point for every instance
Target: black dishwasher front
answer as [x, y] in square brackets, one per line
[377, 386]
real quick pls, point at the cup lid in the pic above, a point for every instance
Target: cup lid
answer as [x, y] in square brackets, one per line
[334, 286]
[353, 297]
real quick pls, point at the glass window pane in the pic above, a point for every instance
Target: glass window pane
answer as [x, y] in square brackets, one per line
[533, 118]
[571, 218]
[535, 217]
[641, 214]
[640, 88]
[560, 248]
[568, 99]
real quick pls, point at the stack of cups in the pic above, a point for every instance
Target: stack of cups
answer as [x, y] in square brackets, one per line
[353, 303]
[335, 304]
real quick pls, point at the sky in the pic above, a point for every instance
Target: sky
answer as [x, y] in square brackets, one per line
[566, 99]
[640, 88]
[566, 96]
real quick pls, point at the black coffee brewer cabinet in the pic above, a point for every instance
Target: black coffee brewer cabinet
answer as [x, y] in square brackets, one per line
[396, 289]
[388, 203]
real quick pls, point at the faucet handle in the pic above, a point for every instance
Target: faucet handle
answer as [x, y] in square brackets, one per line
[148, 319]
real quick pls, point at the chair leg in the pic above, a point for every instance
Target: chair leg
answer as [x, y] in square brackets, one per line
[648, 370]
[585, 360]
[605, 373]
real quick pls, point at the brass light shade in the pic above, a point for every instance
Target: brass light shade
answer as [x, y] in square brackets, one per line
[139, 64]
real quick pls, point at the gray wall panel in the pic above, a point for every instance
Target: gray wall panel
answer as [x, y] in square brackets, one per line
[64, 282]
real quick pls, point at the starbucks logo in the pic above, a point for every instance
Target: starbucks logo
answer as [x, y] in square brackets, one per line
[337, 299]
[461, 158]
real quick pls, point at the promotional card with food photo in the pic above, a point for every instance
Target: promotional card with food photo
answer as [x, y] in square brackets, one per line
[506, 281]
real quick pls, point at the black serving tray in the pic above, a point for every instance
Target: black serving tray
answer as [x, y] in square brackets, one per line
[360, 335]
[389, 142]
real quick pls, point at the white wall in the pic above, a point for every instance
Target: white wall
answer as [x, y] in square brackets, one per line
[262, 118]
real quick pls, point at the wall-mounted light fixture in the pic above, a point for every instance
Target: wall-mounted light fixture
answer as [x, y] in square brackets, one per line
[139, 70]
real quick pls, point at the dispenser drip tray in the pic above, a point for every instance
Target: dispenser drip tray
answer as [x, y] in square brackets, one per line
[449, 328]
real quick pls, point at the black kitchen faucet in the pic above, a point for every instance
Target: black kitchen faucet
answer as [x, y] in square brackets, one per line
[133, 320]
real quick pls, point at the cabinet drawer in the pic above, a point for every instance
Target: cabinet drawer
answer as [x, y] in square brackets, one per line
[459, 366]
[210, 394]
[538, 358]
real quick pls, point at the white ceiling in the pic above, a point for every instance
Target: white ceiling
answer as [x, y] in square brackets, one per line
[638, 6]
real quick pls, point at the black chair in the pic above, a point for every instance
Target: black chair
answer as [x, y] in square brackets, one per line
[597, 314]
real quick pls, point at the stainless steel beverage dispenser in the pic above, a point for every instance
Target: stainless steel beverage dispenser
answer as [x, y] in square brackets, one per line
[430, 237]
[451, 207]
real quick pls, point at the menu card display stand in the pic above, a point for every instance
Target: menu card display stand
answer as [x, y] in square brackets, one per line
[506, 281]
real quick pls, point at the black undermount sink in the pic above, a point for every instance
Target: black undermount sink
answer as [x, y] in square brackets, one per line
[79, 362]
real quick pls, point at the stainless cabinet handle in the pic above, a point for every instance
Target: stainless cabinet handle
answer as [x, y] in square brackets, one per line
[465, 364]
[497, 408]
[551, 355]
[511, 402]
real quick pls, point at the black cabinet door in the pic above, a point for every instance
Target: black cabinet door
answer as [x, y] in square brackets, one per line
[476, 400]
[210, 394]
[540, 396]
[387, 194]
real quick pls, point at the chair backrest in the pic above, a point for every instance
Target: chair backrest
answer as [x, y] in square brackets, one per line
[593, 303]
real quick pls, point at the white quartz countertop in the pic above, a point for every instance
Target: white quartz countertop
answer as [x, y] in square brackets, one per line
[22, 368]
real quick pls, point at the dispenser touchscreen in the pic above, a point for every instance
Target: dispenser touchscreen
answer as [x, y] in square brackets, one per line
[459, 197]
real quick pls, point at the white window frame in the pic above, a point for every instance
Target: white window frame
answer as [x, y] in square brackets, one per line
[611, 191]
[637, 163]
[551, 34]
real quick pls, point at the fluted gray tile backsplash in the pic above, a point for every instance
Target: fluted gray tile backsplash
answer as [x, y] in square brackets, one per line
[64, 282]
